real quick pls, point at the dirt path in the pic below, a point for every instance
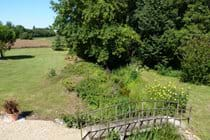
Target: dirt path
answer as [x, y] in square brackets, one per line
[37, 130]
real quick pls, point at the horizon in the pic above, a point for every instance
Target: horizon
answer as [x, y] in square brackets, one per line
[28, 13]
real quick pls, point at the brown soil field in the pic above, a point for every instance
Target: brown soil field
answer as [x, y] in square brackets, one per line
[37, 43]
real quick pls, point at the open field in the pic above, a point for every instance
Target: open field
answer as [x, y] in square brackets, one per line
[35, 43]
[24, 76]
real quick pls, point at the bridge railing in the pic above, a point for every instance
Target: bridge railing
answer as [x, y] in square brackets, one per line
[130, 111]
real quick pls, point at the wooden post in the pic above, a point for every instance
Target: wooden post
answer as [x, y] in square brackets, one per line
[116, 113]
[181, 118]
[177, 108]
[167, 113]
[189, 117]
[129, 112]
[154, 113]
[101, 117]
[155, 107]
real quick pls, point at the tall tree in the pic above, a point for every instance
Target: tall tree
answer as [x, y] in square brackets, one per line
[97, 29]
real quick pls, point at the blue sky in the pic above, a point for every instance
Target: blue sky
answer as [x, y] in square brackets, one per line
[27, 12]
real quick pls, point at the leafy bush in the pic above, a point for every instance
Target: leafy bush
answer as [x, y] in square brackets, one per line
[163, 70]
[154, 21]
[58, 44]
[69, 84]
[98, 88]
[42, 32]
[126, 74]
[26, 35]
[195, 62]
[92, 91]
[52, 73]
[168, 93]
[74, 121]
[123, 89]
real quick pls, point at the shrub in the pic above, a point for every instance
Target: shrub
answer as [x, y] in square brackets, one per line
[26, 35]
[168, 93]
[91, 90]
[195, 63]
[134, 75]
[69, 84]
[74, 121]
[167, 71]
[127, 74]
[11, 107]
[123, 89]
[52, 73]
[58, 43]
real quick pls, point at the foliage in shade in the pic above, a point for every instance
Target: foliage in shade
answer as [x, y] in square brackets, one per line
[111, 33]
[196, 60]
[165, 25]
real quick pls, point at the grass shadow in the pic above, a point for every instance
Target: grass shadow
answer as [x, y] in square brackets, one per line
[18, 57]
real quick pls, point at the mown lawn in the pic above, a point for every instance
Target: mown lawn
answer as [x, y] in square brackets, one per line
[24, 77]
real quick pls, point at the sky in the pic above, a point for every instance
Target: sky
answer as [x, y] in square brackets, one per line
[28, 13]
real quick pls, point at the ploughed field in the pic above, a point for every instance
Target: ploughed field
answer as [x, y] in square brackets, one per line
[35, 43]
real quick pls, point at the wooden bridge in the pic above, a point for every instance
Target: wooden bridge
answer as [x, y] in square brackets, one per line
[131, 117]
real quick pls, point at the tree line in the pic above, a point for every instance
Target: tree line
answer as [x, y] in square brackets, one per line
[24, 33]
[169, 33]
[9, 33]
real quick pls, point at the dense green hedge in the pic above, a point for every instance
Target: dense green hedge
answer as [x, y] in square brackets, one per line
[111, 33]
[196, 60]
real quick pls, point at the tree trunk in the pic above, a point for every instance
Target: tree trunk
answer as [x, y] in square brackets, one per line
[1, 54]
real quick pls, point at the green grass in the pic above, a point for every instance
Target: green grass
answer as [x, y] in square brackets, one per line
[167, 132]
[199, 96]
[199, 99]
[26, 80]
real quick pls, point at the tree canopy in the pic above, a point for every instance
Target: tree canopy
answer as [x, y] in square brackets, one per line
[7, 38]
[97, 30]
[111, 32]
